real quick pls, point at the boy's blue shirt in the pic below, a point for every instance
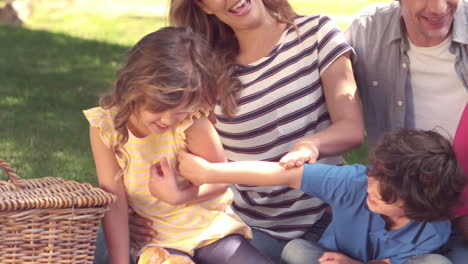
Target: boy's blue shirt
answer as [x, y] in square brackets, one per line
[358, 232]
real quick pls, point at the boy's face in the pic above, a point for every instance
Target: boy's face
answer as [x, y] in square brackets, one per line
[375, 203]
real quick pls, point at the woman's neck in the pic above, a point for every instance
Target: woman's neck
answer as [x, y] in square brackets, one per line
[257, 43]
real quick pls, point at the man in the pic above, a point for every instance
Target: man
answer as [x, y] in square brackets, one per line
[411, 67]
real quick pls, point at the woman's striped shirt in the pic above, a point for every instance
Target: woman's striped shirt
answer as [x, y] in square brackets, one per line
[282, 101]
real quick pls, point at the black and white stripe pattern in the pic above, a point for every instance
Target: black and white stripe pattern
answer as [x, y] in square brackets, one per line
[281, 102]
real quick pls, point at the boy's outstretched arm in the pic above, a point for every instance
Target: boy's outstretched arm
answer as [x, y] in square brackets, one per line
[200, 171]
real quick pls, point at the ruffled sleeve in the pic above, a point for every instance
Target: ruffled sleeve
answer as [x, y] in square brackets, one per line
[103, 119]
[184, 125]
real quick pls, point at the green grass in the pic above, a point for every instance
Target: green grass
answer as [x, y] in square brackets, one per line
[43, 91]
[58, 63]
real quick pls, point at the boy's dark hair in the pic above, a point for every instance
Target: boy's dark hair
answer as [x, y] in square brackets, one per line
[420, 168]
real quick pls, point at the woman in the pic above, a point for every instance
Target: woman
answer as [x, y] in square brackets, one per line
[292, 99]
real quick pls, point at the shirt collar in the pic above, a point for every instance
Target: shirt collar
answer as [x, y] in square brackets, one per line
[460, 23]
[395, 31]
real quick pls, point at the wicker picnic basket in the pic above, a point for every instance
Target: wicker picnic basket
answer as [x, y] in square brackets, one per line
[49, 220]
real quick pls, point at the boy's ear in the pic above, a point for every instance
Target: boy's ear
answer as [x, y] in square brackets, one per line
[203, 7]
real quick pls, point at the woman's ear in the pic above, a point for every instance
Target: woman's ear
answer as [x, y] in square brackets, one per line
[203, 7]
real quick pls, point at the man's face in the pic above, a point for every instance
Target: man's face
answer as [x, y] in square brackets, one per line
[428, 22]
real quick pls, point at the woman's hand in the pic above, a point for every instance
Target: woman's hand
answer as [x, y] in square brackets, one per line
[302, 152]
[193, 168]
[140, 228]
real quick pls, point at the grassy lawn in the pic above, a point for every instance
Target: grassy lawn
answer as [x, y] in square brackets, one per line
[59, 62]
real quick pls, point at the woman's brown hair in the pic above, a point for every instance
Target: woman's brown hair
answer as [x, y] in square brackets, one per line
[223, 40]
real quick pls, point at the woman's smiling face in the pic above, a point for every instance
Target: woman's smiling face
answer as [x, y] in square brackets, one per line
[237, 14]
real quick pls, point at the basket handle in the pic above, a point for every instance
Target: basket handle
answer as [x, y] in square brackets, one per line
[17, 181]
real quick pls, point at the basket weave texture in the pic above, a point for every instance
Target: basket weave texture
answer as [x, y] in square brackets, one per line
[49, 220]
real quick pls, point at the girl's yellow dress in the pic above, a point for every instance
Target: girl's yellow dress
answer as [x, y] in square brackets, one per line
[185, 227]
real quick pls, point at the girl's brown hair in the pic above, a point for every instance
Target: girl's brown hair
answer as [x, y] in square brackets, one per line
[163, 70]
[223, 40]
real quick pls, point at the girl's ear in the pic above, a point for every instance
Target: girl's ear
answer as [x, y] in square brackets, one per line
[203, 7]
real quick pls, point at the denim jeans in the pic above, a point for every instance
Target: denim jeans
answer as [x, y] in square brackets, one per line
[101, 255]
[273, 247]
[300, 251]
[266, 244]
[217, 250]
[457, 249]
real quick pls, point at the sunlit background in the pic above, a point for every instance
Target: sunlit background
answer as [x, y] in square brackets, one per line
[62, 57]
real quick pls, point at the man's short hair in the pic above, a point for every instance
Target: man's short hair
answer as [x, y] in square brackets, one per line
[419, 168]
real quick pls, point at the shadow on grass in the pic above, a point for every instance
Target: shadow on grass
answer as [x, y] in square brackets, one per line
[46, 80]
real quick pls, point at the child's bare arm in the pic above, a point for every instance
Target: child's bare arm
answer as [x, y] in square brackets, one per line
[203, 141]
[117, 217]
[259, 173]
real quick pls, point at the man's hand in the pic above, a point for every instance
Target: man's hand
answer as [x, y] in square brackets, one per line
[337, 258]
[140, 228]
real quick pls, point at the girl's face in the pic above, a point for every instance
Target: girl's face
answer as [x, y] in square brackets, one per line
[148, 122]
[237, 14]
[375, 203]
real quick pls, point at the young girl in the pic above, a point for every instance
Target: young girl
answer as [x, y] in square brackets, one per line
[157, 108]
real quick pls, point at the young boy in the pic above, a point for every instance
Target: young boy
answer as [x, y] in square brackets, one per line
[396, 208]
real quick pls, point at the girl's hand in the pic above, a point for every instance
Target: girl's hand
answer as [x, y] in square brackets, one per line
[336, 258]
[162, 182]
[302, 152]
[193, 168]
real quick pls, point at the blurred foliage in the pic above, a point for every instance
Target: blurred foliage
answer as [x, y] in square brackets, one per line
[51, 69]
[47, 79]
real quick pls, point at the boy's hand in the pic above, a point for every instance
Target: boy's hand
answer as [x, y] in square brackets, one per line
[193, 168]
[301, 153]
[336, 258]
